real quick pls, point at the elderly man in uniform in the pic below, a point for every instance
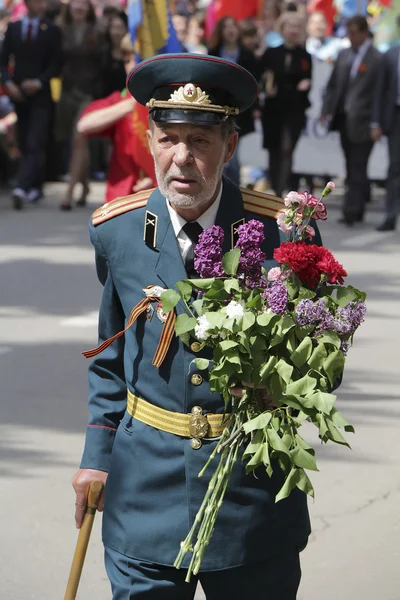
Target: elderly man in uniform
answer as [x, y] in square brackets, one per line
[142, 389]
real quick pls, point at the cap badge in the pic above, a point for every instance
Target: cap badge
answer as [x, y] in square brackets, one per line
[190, 94]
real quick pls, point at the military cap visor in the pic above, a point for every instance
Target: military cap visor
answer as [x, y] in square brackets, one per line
[192, 88]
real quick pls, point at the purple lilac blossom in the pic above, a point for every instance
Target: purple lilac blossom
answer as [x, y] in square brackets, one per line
[250, 237]
[349, 317]
[313, 313]
[209, 253]
[345, 346]
[277, 297]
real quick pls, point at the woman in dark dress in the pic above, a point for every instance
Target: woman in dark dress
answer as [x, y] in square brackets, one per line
[114, 76]
[286, 77]
[225, 44]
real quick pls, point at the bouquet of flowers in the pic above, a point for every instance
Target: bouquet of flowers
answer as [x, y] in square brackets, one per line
[286, 331]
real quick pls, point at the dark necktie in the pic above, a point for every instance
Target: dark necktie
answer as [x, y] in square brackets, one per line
[29, 31]
[193, 230]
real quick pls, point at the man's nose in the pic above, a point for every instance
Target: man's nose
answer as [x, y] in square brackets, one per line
[182, 156]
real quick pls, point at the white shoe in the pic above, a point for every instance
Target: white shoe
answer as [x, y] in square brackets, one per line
[18, 198]
[33, 196]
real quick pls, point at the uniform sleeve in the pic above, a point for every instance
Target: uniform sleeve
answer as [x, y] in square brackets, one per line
[107, 386]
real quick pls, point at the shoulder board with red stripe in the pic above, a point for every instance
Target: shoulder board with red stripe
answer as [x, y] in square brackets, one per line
[261, 203]
[120, 206]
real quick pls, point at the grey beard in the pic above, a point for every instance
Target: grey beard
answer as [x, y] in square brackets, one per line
[190, 200]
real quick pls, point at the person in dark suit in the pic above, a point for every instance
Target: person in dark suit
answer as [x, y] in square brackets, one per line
[286, 75]
[151, 471]
[386, 121]
[226, 44]
[347, 108]
[33, 47]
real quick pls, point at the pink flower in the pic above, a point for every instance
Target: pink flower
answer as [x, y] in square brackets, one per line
[320, 211]
[331, 185]
[291, 198]
[308, 230]
[274, 274]
[283, 226]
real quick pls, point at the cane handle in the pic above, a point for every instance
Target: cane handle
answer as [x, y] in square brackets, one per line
[94, 494]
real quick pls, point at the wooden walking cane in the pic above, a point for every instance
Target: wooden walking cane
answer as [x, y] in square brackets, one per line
[94, 494]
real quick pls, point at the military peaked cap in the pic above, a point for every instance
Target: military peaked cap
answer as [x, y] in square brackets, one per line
[192, 88]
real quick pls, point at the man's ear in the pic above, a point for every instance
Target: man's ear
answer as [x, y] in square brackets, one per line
[149, 138]
[231, 146]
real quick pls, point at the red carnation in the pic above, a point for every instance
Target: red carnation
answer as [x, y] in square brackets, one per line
[309, 262]
[333, 270]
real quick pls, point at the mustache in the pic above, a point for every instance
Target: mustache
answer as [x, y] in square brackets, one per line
[184, 173]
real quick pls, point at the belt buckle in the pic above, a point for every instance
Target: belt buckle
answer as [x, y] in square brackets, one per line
[198, 427]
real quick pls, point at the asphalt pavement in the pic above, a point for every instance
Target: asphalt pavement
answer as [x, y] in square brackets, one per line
[49, 296]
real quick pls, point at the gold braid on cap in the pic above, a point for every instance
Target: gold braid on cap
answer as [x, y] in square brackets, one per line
[190, 96]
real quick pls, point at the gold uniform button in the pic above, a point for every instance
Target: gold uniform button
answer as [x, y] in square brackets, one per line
[195, 346]
[196, 379]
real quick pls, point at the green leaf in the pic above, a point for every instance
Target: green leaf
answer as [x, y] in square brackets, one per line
[217, 291]
[302, 443]
[184, 323]
[253, 445]
[329, 337]
[255, 461]
[268, 367]
[322, 401]
[230, 261]
[334, 365]
[305, 293]
[247, 320]
[287, 323]
[289, 485]
[302, 386]
[227, 345]
[265, 454]
[201, 363]
[254, 302]
[259, 422]
[169, 300]
[276, 442]
[292, 289]
[231, 284]
[201, 284]
[266, 319]
[318, 356]
[198, 306]
[304, 458]
[302, 353]
[185, 290]
[284, 370]
[216, 319]
[340, 421]
[335, 434]
[304, 484]
[233, 358]
[344, 296]
[323, 428]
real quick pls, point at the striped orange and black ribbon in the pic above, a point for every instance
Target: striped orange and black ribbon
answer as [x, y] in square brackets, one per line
[165, 339]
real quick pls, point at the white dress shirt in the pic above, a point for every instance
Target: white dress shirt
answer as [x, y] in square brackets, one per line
[362, 51]
[35, 22]
[206, 220]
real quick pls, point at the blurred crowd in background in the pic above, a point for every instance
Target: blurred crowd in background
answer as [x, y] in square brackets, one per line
[279, 41]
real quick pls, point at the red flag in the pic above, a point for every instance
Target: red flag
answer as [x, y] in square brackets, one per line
[140, 147]
[238, 9]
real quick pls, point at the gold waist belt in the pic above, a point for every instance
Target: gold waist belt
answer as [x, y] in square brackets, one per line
[194, 425]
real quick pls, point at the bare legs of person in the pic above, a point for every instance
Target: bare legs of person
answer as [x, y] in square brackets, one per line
[79, 172]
